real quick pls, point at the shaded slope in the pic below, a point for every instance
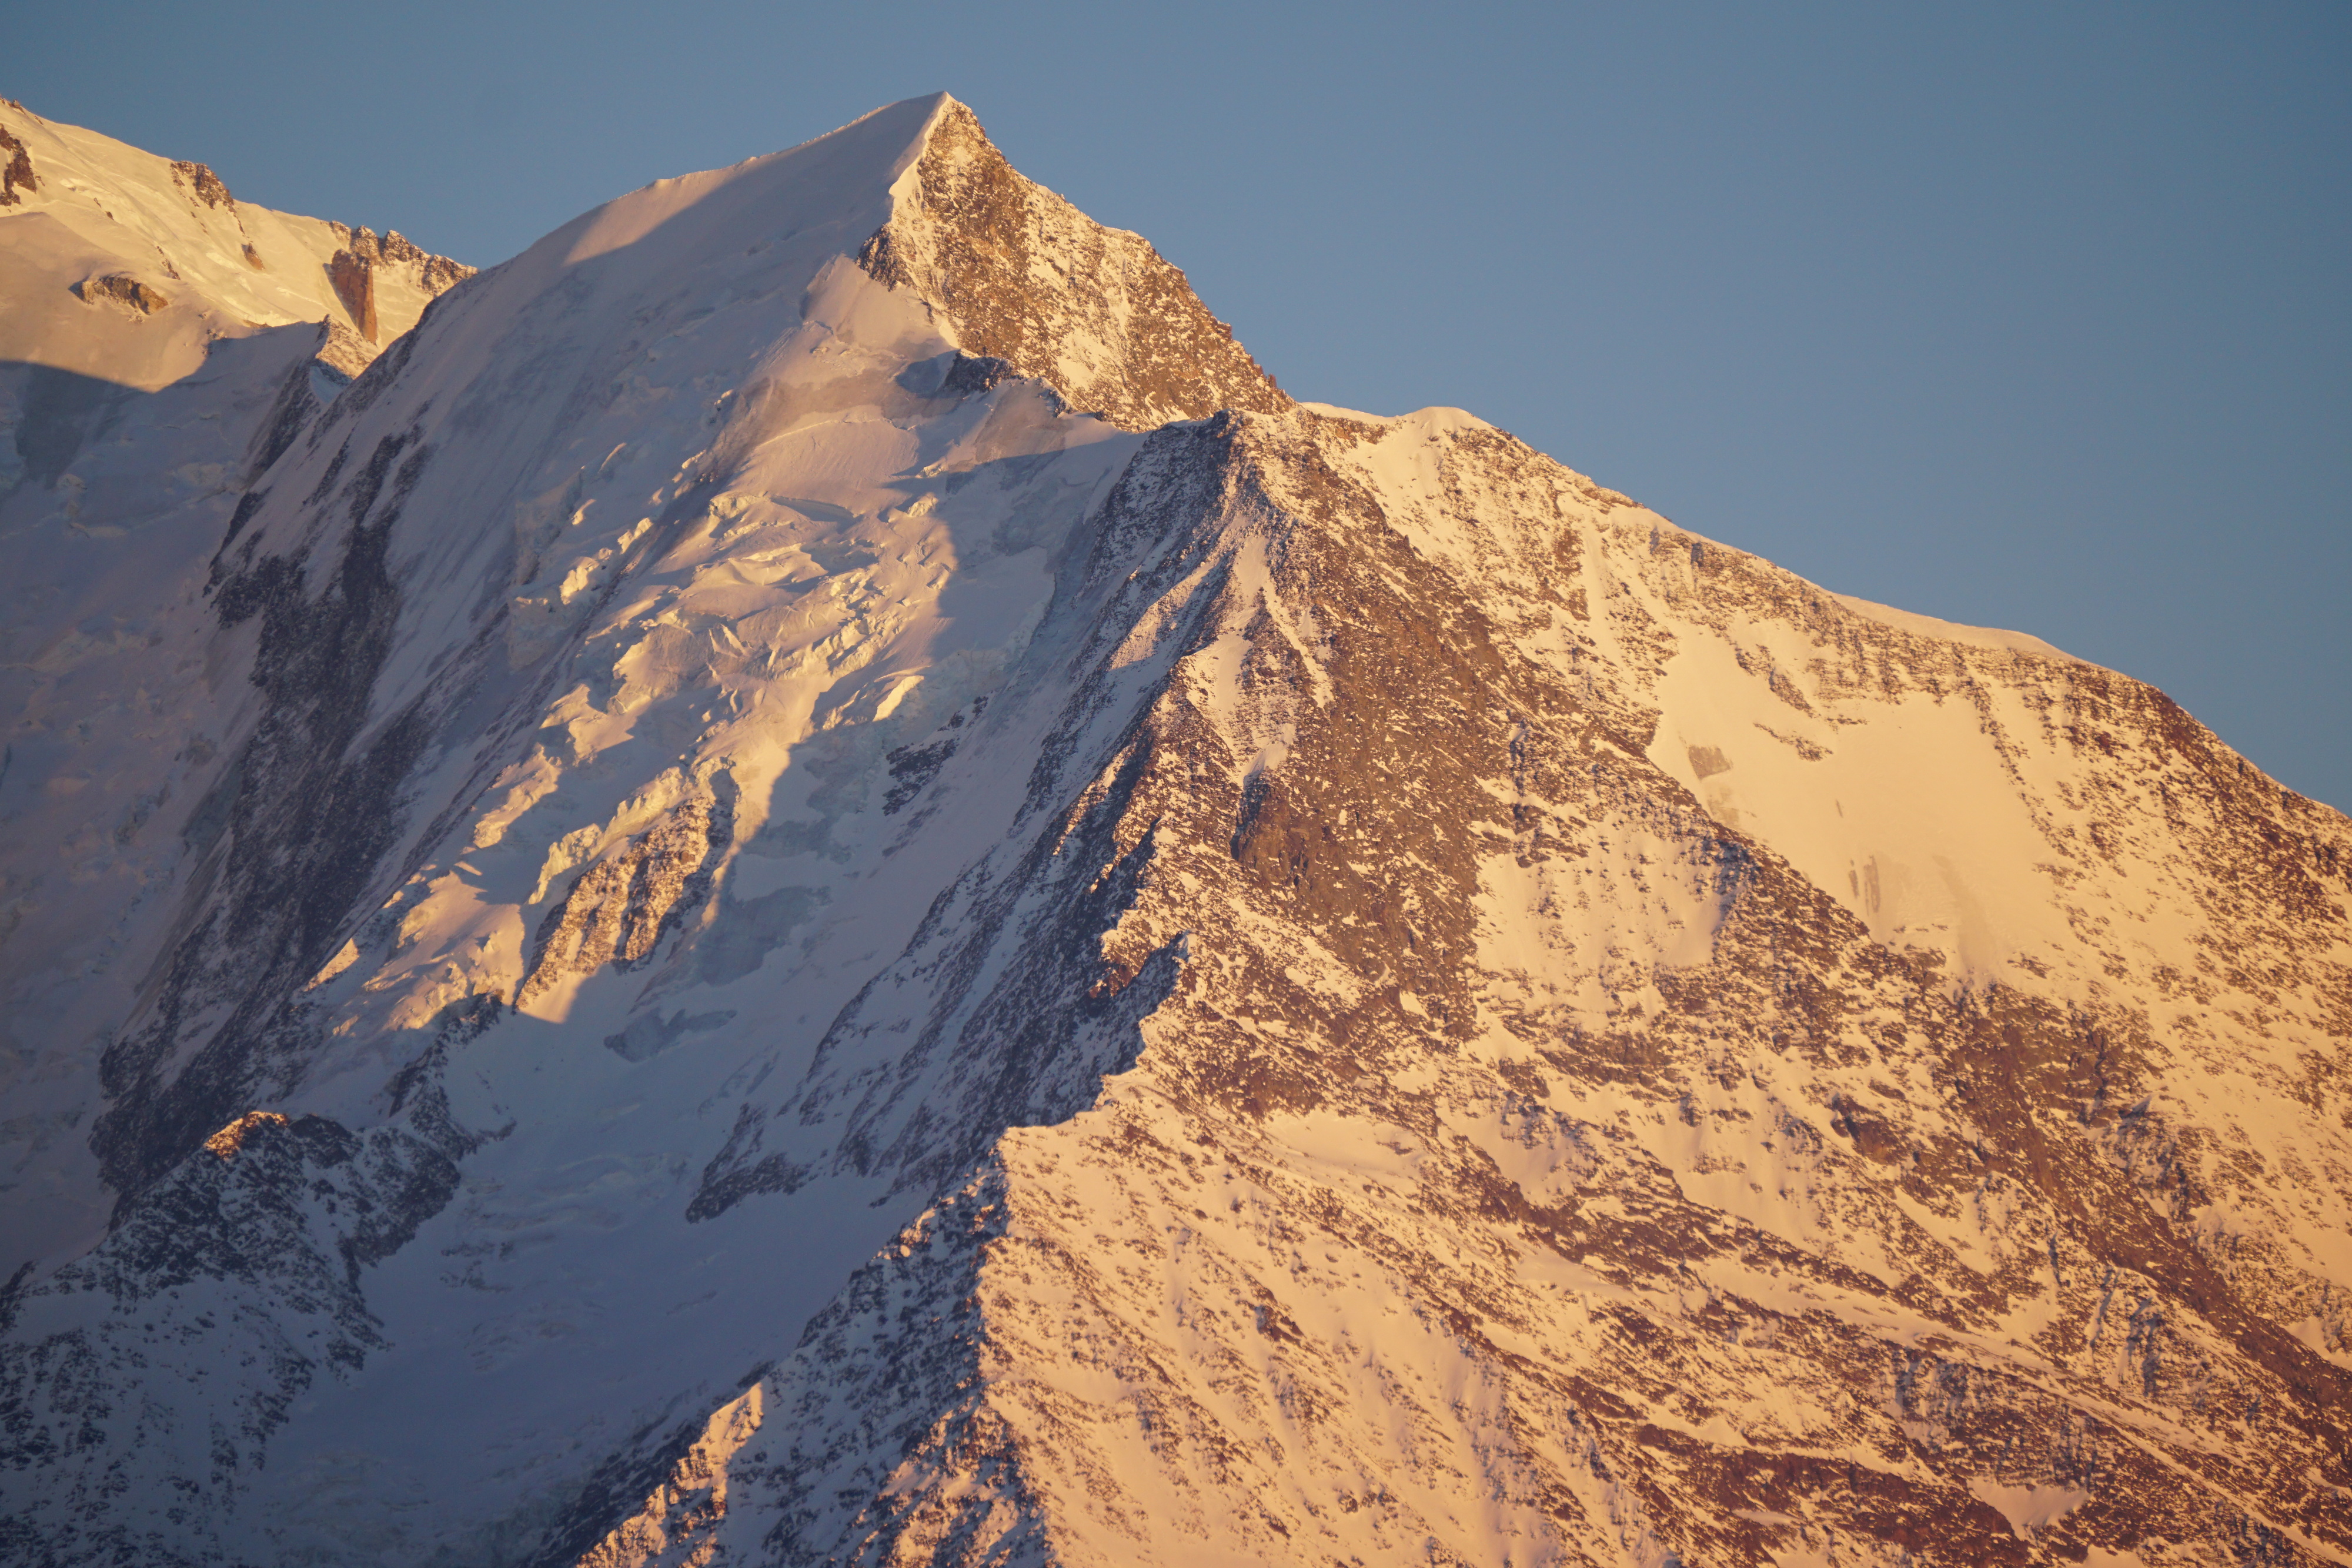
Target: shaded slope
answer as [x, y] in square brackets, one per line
[161, 345]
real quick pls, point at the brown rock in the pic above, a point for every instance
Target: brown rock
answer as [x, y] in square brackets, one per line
[231, 1138]
[203, 185]
[1117, 333]
[354, 275]
[435, 274]
[1874, 1137]
[16, 172]
[617, 910]
[122, 288]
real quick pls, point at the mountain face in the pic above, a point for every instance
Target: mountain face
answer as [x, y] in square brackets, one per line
[162, 344]
[809, 883]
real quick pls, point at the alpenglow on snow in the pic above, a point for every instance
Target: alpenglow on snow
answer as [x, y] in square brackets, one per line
[804, 879]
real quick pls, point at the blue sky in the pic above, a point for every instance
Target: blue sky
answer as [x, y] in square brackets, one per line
[2029, 315]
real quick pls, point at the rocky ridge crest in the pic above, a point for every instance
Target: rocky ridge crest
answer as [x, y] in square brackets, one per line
[1027, 279]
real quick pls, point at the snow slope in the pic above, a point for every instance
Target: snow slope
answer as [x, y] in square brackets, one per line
[821, 887]
[159, 343]
[123, 266]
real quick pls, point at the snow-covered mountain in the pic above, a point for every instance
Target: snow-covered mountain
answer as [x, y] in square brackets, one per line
[161, 345]
[811, 883]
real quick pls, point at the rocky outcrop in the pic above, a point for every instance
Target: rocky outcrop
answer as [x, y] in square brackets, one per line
[617, 910]
[121, 288]
[17, 176]
[353, 277]
[675, 1522]
[304, 392]
[1025, 277]
[341, 352]
[353, 272]
[254, 1248]
[203, 185]
[304, 813]
[433, 274]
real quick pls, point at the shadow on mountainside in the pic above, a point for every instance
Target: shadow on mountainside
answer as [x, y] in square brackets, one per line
[61, 409]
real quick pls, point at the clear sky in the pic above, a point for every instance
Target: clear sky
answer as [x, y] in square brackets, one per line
[2035, 316]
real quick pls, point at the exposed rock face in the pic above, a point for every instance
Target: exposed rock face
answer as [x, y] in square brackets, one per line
[342, 351]
[1027, 279]
[617, 910]
[363, 252]
[264, 1232]
[352, 271]
[676, 1523]
[1593, 1106]
[353, 276]
[122, 288]
[15, 169]
[203, 185]
[786, 950]
[306, 810]
[435, 274]
[307, 387]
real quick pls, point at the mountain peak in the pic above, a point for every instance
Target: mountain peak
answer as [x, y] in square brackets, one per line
[1003, 267]
[1021, 275]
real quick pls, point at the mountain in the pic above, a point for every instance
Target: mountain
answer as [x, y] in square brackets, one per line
[123, 265]
[811, 882]
[161, 344]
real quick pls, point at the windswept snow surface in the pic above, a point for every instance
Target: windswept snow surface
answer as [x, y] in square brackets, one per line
[122, 266]
[816, 885]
